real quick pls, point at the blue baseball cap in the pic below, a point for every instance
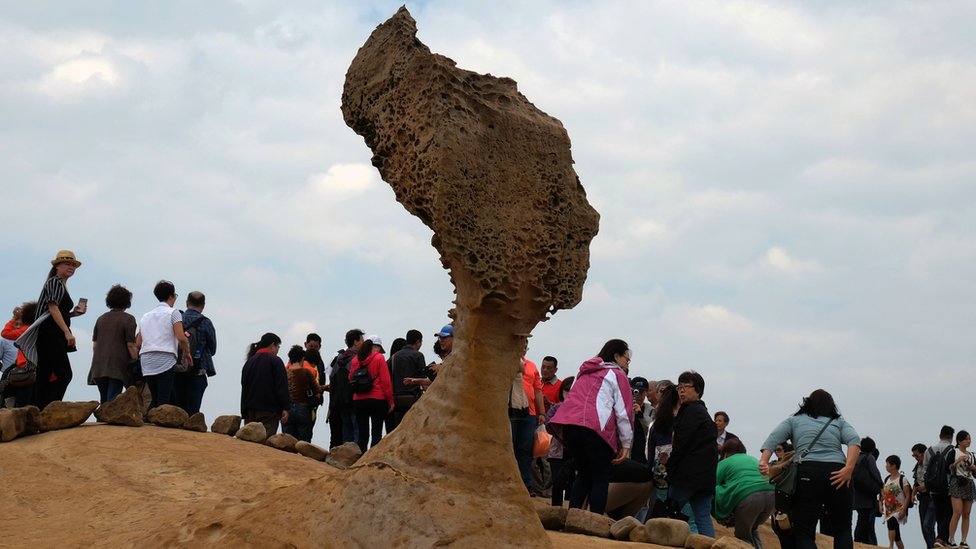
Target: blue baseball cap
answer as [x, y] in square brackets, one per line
[446, 331]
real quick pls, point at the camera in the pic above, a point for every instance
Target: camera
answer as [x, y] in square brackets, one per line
[637, 392]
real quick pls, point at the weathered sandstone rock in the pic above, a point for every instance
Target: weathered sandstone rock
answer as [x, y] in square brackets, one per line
[552, 518]
[344, 456]
[670, 532]
[579, 521]
[282, 441]
[19, 422]
[126, 409]
[226, 425]
[621, 529]
[253, 432]
[730, 542]
[310, 450]
[197, 422]
[167, 415]
[698, 541]
[64, 415]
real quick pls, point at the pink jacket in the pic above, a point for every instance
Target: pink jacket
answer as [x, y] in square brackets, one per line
[600, 400]
[382, 386]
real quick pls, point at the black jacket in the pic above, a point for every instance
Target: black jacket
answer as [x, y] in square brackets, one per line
[264, 384]
[693, 459]
[407, 362]
[866, 482]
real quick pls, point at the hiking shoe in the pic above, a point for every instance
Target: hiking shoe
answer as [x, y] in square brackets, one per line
[964, 544]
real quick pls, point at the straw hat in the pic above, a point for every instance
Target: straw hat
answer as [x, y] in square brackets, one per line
[66, 256]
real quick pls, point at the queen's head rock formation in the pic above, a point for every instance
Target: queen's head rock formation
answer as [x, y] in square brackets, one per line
[493, 177]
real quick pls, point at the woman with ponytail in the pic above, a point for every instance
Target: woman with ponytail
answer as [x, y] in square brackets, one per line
[264, 385]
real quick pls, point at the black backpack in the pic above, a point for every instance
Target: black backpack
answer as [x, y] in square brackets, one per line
[340, 395]
[361, 381]
[937, 470]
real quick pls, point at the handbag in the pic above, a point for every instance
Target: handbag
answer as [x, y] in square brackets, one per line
[540, 448]
[19, 376]
[134, 369]
[786, 481]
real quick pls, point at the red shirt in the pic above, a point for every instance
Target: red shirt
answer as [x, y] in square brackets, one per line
[551, 391]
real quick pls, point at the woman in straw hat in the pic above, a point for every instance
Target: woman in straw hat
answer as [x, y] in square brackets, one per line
[49, 339]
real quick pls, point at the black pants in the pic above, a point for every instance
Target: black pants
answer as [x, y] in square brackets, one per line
[864, 530]
[943, 512]
[592, 456]
[815, 493]
[370, 411]
[52, 358]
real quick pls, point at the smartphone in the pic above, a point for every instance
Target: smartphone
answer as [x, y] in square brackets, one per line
[83, 304]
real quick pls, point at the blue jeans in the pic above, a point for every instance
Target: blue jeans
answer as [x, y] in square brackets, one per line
[299, 422]
[350, 429]
[523, 439]
[108, 388]
[701, 506]
[161, 387]
[926, 513]
[188, 392]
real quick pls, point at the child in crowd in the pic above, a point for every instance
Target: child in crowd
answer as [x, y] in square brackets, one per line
[894, 499]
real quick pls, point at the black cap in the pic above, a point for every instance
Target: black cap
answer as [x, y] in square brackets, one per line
[639, 384]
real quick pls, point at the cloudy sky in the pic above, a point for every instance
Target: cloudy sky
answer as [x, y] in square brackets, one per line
[786, 190]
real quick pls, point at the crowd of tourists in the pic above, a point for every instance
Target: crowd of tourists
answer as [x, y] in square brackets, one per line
[600, 440]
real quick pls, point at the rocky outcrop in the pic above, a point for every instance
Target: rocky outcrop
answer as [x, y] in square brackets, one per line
[730, 542]
[579, 521]
[126, 409]
[226, 425]
[668, 532]
[621, 529]
[253, 432]
[282, 441]
[698, 541]
[310, 450]
[552, 518]
[344, 456]
[19, 422]
[64, 415]
[167, 415]
[197, 422]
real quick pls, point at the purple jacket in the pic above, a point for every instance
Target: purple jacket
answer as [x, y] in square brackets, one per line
[600, 400]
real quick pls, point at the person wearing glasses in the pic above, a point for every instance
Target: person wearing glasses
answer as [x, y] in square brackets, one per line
[691, 467]
[595, 423]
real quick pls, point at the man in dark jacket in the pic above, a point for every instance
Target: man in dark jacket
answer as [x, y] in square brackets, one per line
[409, 375]
[691, 467]
[866, 483]
[342, 419]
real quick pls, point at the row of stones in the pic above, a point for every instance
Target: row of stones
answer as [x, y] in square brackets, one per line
[128, 408]
[659, 531]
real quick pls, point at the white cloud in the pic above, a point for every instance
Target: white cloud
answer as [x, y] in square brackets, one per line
[777, 261]
[344, 181]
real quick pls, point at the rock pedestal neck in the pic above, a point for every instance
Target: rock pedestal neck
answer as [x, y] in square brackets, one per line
[493, 177]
